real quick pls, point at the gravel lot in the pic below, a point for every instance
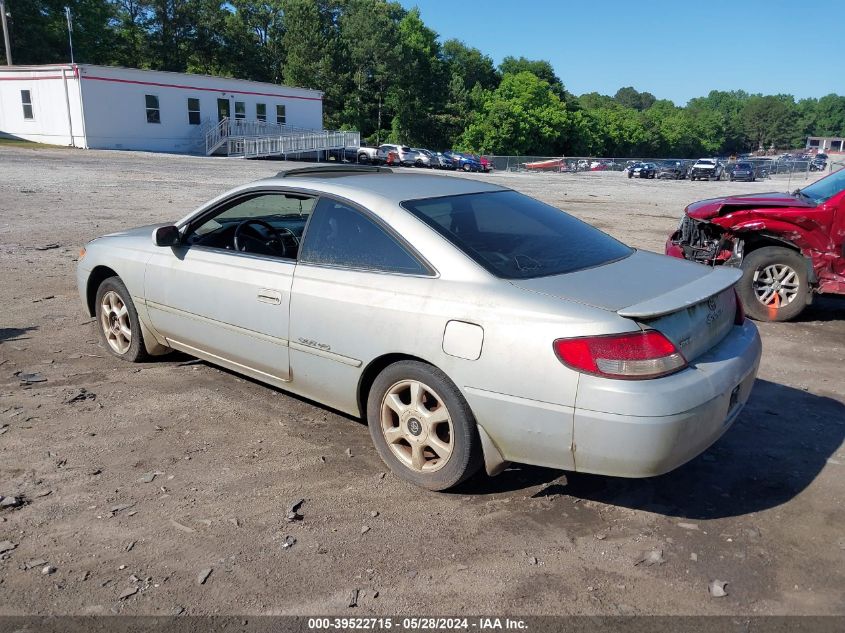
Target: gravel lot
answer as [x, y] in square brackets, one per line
[176, 469]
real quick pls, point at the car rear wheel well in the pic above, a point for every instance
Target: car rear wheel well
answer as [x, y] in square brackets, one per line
[97, 276]
[368, 376]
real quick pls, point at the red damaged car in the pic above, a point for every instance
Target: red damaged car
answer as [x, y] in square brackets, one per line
[789, 246]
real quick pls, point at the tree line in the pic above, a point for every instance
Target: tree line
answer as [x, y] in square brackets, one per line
[388, 75]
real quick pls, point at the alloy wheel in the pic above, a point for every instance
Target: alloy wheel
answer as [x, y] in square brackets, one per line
[417, 426]
[114, 319]
[776, 285]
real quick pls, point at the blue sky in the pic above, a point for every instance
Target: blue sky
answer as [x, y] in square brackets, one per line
[675, 49]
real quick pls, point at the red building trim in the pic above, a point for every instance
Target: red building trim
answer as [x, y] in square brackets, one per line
[184, 87]
[77, 75]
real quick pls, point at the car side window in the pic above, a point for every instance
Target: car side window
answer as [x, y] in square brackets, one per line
[268, 224]
[339, 235]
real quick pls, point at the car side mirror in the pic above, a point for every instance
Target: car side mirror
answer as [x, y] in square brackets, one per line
[166, 236]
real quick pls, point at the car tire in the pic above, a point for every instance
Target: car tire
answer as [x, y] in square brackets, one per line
[762, 267]
[467, 167]
[117, 321]
[405, 422]
[363, 159]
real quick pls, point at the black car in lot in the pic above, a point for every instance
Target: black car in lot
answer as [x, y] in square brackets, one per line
[819, 163]
[643, 170]
[743, 171]
[672, 170]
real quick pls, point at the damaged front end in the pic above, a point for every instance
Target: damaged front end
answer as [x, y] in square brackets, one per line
[704, 242]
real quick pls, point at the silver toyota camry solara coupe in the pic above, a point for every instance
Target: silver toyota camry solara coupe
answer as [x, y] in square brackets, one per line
[469, 324]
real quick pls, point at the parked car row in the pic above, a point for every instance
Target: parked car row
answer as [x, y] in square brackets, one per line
[402, 155]
[702, 169]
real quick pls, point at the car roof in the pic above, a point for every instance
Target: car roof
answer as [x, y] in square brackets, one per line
[395, 187]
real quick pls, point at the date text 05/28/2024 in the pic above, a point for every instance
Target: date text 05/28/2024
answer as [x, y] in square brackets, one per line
[417, 624]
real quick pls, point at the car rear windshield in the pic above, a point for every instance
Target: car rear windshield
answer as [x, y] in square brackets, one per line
[517, 237]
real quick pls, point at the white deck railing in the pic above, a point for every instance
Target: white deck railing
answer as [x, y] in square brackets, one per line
[254, 139]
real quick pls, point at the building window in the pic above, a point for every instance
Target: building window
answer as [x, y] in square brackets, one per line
[26, 102]
[281, 118]
[153, 112]
[240, 110]
[261, 111]
[193, 111]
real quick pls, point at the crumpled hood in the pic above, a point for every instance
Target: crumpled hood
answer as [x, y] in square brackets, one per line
[706, 209]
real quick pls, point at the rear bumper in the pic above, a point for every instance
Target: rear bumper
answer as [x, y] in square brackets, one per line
[668, 421]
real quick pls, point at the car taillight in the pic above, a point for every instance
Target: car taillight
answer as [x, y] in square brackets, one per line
[739, 315]
[632, 356]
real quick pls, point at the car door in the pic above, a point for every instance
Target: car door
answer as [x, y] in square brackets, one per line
[226, 305]
[358, 290]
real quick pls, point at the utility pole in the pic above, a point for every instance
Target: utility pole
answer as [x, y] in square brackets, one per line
[6, 33]
[69, 32]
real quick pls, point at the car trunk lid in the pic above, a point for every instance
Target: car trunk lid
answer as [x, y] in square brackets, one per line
[692, 305]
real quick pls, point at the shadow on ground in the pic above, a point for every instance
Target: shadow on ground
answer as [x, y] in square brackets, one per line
[14, 333]
[824, 308]
[776, 449]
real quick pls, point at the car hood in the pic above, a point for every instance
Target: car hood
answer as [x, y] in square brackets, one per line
[139, 231]
[640, 286]
[706, 209]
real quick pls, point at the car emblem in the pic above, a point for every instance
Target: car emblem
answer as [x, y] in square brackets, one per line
[711, 303]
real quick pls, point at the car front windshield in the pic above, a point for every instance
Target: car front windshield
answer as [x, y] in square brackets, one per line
[517, 237]
[824, 189]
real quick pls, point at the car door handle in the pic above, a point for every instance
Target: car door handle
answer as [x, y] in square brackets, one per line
[265, 295]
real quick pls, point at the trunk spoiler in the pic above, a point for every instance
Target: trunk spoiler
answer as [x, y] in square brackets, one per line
[715, 282]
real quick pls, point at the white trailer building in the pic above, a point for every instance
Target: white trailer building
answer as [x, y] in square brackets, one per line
[103, 107]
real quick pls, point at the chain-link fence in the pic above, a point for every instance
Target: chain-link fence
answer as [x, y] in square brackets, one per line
[790, 166]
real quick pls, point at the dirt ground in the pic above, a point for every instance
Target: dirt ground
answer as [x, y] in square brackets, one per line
[175, 469]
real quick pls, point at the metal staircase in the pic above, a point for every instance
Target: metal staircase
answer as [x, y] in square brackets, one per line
[256, 139]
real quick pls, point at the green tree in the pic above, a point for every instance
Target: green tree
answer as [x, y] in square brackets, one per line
[254, 40]
[38, 31]
[313, 52]
[470, 64]
[629, 97]
[541, 68]
[594, 100]
[523, 115]
[769, 120]
[418, 90]
[719, 117]
[830, 116]
[369, 32]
